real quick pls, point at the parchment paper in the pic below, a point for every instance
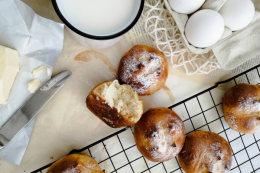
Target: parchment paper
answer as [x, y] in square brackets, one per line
[39, 41]
[66, 123]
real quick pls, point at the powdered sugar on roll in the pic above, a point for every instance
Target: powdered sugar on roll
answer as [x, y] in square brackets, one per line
[241, 108]
[249, 104]
[150, 71]
[160, 134]
[144, 69]
[75, 163]
[163, 140]
[232, 122]
[205, 151]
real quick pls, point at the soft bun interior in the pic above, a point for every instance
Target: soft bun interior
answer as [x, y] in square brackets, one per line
[121, 97]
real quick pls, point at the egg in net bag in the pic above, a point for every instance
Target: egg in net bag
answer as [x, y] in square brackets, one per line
[161, 27]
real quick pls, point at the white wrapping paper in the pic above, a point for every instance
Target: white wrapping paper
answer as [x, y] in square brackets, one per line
[39, 41]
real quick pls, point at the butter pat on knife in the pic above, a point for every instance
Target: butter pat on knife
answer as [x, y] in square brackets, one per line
[9, 67]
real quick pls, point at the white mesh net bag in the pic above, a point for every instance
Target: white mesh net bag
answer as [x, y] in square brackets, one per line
[160, 25]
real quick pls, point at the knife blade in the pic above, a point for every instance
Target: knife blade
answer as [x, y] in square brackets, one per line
[31, 108]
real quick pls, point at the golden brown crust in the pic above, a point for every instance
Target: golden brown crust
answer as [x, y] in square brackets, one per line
[241, 108]
[205, 152]
[104, 112]
[76, 163]
[160, 134]
[144, 68]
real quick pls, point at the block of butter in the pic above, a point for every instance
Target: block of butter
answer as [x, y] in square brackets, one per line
[9, 67]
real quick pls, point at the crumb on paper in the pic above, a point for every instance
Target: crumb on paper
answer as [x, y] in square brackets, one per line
[34, 85]
[38, 52]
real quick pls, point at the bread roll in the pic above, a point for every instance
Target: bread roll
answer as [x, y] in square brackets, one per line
[241, 108]
[160, 134]
[116, 105]
[144, 68]
[205, 152]
[75, 163]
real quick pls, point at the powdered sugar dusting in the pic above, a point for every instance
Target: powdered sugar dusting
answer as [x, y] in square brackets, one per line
[71, 170]
[150, 66]
[218, 166]
[250, 107]
[76, 170]
[215, 147]
[249, 104]
[83, 169]
[200, 156]
[162, 140]
[212, 157]
[91, 165]
[232, 122]
[257, 128]
[108, 120]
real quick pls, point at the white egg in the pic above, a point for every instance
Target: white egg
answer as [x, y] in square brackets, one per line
[186, 6]
[204, 28]
[237, 14]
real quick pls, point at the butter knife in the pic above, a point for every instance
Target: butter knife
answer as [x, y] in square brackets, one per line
[30, 109]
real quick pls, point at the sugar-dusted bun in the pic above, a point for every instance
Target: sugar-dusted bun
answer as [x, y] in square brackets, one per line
[144, 68]
[241, 108]
[205, 152]
[160, 134]
[75, 163]
[117, 105]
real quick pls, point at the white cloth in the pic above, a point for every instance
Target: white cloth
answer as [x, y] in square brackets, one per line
[241, 47]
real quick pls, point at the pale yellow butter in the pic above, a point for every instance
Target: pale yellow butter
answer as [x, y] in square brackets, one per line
[40, 70]
[9, 67]
[110, 93]
[34, 85]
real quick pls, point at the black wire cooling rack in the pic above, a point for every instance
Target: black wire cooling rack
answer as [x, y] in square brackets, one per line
[117, 153]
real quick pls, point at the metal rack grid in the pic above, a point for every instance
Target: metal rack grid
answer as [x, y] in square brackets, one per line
[117, 153]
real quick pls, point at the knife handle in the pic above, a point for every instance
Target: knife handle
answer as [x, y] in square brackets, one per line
[13, 125]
